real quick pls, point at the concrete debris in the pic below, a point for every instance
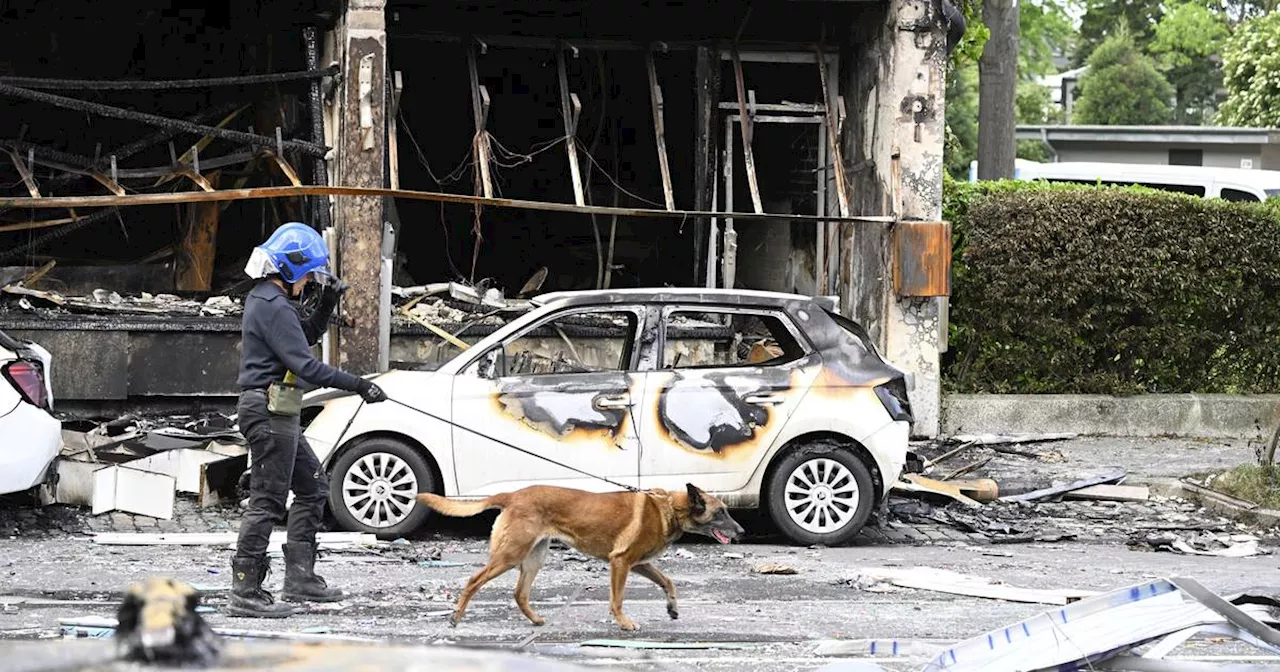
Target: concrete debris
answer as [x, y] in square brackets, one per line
[139, 465]
[1206, 543]
[774, 568]
[104, 301]
[945, 581]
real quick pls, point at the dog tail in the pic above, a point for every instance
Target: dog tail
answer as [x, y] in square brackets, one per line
[461, 508]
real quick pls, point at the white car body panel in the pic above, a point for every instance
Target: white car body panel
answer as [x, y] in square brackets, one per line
[32, 436]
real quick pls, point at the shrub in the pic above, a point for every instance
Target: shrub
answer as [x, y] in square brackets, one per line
[1077, 289]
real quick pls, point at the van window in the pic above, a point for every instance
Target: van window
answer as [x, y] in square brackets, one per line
[1193, 189]
[1273, 193]
[1238, 195]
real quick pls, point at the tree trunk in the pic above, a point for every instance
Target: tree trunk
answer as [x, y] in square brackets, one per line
[997, 86]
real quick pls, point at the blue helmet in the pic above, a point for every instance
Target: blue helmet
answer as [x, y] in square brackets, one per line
[296, 250]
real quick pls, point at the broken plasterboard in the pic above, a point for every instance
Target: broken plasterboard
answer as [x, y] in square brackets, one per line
[220, 479]
[953, 583]
[183, 464]
[121, 488]
[326, 540]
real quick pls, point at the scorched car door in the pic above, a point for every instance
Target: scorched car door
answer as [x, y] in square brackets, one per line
[562, 390]
[729, 380]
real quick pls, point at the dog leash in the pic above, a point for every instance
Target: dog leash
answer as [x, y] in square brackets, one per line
[485, 436]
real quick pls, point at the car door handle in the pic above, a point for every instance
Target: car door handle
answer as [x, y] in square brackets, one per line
[765, 399]
[614, 402]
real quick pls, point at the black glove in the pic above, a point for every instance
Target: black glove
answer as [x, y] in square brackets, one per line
[371, 393]
[336, 287]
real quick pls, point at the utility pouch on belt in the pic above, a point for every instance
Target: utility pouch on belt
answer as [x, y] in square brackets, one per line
[284, 397]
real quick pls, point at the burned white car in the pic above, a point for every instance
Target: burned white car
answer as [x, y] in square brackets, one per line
[767, 400]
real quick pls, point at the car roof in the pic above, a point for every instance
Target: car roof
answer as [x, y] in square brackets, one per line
[1261, 179]
[677, 295]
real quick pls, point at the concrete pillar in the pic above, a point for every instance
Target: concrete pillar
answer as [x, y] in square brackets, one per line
[916, 130]
[893, 155]
[361, 159]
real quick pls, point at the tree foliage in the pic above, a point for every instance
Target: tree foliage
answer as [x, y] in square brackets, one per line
[1187, 40]
[1101, 18]
[1123, 86]
[1251, 68]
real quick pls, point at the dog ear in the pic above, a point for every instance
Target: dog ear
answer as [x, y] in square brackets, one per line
[697, 505]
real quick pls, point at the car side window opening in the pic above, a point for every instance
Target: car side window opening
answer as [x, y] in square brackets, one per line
[1229, 194]
[724, 339]
[580, 342]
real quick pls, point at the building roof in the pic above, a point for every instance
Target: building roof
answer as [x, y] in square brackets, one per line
[1205, 135]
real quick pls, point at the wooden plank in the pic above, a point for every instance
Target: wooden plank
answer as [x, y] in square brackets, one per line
[25, 171]
[111, 185]
[570, 108]
[1112, 493]
[833, 135]
[366, 192]
[286, 169]
[1113, 476]
[660, 135]
[193, 267]
[462, 345]
[747, 156]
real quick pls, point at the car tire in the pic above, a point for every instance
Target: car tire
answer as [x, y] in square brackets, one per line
[377, 473]
[821, 493]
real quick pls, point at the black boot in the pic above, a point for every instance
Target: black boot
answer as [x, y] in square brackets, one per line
[300, 581]
[248, 599]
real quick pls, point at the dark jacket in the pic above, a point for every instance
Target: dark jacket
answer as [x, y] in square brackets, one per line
[276, 339]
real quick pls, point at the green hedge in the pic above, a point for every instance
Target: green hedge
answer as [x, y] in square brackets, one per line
[1077, 289]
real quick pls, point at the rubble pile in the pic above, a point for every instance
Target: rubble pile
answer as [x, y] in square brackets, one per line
[1012, 506]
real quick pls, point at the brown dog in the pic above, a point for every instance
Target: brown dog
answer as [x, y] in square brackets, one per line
[629, 529]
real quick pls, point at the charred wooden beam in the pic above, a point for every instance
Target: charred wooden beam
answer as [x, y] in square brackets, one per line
[659, 132]
[169, 198]
[706, 93]
[156, 120]
[48, 83]
[748, 157]
[315, 110]
[193, 270]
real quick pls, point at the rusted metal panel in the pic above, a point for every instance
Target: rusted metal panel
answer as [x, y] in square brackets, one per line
[922, 259]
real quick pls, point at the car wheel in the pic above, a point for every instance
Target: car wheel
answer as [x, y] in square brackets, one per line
[373, 486]
[821, 494]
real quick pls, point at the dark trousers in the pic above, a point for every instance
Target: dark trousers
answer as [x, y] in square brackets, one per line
[282, 460]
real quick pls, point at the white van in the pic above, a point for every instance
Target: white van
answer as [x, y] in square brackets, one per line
[1231, 184]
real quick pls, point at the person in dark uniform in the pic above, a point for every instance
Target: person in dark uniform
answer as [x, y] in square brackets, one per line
[275, 349]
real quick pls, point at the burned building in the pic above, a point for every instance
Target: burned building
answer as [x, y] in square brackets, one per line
[785, 145]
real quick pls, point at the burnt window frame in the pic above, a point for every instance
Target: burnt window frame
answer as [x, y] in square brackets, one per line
[639, 312]
[787, 321]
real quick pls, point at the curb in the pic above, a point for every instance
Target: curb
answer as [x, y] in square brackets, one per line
[1223, 505]
[1205, 416]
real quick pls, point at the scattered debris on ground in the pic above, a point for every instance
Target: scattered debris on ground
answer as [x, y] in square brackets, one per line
[774, 568]
[945, 581]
